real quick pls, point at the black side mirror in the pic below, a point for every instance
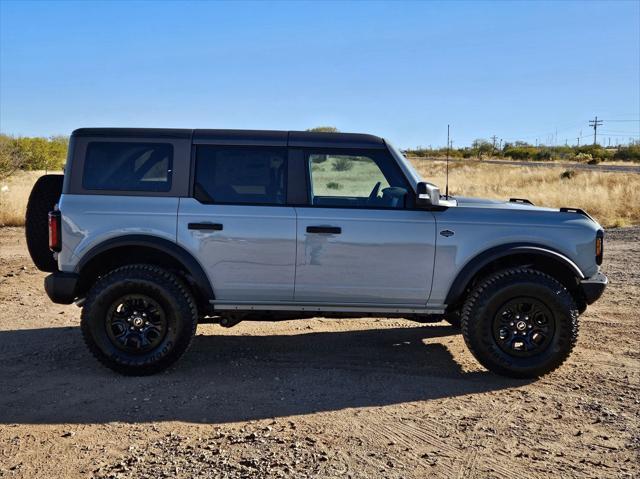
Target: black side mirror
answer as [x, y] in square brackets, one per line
[427, 194]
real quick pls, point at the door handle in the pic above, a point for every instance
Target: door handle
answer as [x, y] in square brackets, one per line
[336, 230]
[205, 226]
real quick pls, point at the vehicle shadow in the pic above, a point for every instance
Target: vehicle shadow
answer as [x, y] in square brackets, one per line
[48, 377]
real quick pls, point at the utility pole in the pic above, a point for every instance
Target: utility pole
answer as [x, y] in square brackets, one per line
[595, 123]
[493, 144]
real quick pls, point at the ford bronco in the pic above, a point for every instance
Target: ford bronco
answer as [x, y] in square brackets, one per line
[152, 230]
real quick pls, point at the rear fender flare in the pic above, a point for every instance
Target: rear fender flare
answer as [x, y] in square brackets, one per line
[171, 249]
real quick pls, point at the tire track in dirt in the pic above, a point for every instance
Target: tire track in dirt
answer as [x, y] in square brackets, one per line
[436, 436]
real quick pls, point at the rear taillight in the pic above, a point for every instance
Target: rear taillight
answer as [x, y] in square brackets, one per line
[599, 246]
[55, 238]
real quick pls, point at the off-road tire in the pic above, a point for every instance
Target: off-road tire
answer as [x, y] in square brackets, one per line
[44, 196]
[494, 291]
[170, 292]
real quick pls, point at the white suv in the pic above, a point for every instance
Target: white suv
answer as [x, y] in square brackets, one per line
[154, 230]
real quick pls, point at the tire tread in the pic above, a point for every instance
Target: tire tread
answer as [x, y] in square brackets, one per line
[480, 295]
[155, 274]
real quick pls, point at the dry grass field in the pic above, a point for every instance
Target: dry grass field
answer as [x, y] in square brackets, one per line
[612, 198]
[14, 194]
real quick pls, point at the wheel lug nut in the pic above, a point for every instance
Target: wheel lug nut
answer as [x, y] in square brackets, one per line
[530, 326]
[511, 323]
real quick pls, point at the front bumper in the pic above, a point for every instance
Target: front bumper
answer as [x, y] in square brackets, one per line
[61, 287]
[593, 287]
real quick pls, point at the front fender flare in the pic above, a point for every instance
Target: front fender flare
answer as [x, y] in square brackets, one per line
[478, 262]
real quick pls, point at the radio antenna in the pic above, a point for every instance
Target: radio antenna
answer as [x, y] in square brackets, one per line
[446, 190]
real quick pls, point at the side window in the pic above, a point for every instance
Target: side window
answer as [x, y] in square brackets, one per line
[355, 179]
[128, 166]
[240, 175]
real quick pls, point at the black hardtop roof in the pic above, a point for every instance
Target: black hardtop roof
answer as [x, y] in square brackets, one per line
[242, 137]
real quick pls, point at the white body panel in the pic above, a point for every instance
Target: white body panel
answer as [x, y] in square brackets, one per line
[379, 257]
[252, 258]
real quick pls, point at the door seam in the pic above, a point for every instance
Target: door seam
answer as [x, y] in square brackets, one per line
[295, 256]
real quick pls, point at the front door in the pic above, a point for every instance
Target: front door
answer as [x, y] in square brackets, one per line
[237, 224]
[358, 241]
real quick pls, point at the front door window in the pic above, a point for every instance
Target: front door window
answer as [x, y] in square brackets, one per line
[358, 180]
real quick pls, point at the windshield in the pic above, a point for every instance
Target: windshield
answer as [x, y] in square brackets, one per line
[412, 174]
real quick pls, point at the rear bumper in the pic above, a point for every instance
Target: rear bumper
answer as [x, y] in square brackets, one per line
[593, 287]
[61, 287]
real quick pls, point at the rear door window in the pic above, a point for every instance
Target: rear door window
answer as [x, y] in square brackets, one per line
[128, 166]
[241, 175]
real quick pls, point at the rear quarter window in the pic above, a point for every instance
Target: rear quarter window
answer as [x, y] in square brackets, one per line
[128, 166]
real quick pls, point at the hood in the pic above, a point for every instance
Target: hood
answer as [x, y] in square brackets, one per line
[515, 204]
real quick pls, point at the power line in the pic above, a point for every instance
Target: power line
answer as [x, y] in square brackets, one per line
[595, 123]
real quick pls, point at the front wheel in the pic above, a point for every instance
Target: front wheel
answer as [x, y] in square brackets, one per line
[520, 323]
[139, 319]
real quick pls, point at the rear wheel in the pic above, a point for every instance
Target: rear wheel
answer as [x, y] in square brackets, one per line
[139, 319]
[520, 323]
[44, 196]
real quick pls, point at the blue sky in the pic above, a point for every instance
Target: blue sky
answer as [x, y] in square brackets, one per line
[400, 70]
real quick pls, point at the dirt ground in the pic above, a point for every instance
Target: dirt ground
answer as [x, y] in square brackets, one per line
[319, 398]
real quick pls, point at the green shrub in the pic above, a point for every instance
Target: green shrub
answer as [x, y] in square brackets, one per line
[628, 153]
[520, 152]
[342, 164]
[583, 157]
[568, 174]
[332, 185]
[542, 155]
[32, 153]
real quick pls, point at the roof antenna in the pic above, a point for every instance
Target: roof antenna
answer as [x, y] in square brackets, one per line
[446, 190]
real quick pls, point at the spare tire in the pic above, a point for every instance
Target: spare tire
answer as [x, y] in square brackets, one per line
[44, 196]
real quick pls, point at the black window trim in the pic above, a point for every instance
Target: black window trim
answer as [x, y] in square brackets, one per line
[192, 182]
[409, 198]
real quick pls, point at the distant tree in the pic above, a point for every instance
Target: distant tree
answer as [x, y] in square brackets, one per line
[325, 129]
[32, 153]
[482, 147]
[10, 158]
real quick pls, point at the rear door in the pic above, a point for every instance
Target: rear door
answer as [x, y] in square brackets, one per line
[237, 224]
[359, 240]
